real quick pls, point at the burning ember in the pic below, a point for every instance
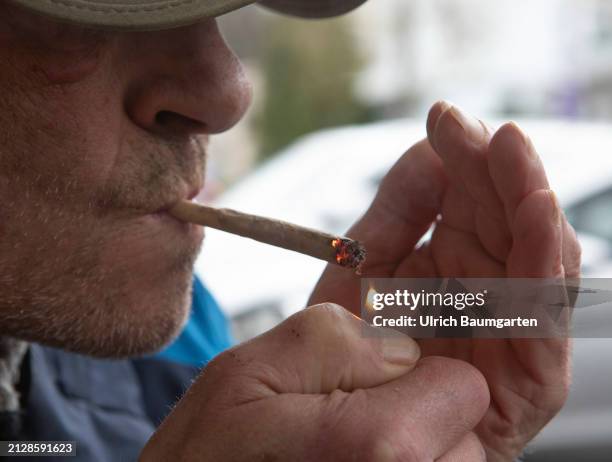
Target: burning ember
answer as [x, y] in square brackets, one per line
[349, 253]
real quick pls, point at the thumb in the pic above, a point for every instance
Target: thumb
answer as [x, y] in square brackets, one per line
[321, 349]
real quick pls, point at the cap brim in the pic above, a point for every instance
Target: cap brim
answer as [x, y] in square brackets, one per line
[313, 8]
[165, 14]
[132, 14]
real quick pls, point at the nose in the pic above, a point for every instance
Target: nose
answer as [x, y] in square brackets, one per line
[184, 81]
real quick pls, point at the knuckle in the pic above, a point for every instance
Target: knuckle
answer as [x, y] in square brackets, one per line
[339, 426]
[320, 320]
[577, 257]
[574, 241]
[575, 248]
[474, 448]
[234, 364]
[554, 399]
[343, 430]
[221, 367]
[410, 450]
[319, 326]
[385, 445]
[242, 376]
[468, 384]
[224, 360]
[220, 363]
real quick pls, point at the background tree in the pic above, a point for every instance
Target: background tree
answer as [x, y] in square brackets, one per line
[309, 71]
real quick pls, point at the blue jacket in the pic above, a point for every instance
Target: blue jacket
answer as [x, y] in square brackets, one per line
[110, 408]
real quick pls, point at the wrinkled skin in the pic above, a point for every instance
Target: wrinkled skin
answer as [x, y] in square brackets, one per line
[497, 218]
[101, 131]
[98, 132]
[315, 388]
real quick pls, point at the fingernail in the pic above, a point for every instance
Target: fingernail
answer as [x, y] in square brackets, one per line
[525, 140]
[400, 350]
[472, 127]
[433, 117]
[556, 215]
[444, 106]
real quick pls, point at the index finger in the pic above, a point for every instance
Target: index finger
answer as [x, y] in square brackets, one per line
[515, 167]
[518, 172]
[407, 202]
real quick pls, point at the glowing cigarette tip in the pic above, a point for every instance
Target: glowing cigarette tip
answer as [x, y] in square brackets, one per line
[334, 249]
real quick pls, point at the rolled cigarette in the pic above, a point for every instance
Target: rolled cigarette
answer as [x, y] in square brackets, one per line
[334, 249]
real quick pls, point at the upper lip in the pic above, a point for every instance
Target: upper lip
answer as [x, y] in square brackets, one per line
[192, 193]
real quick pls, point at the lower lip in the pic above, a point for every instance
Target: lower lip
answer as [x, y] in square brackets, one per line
[189, 229]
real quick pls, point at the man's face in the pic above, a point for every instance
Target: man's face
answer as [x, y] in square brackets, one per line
[99, 132]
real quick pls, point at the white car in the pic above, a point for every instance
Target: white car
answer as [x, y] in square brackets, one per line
[326, 180]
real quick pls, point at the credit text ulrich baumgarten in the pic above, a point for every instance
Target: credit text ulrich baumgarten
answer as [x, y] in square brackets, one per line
[409, 300]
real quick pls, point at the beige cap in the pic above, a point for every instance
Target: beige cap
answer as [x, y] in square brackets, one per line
[163, 14]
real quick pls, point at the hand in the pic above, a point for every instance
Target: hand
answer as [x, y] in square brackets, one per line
[315, 388]
[498, 218]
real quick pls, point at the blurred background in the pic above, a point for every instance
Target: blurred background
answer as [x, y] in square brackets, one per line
[393, 58]
[336, 102]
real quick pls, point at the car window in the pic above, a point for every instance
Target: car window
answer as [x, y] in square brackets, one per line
[593, 215]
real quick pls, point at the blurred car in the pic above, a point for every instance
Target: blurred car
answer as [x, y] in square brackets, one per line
[326, 181]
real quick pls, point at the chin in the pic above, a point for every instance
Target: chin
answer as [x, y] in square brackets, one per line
[109, 290]
[106, 316]
[104, 288]
[144, 302]
[143, 321]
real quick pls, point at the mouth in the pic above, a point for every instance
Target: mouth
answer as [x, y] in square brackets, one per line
[171, 224]
[191, 196]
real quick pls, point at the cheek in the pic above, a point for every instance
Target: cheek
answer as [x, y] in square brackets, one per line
[60, 118]
[64, 140]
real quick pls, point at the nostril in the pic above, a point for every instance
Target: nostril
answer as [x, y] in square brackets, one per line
[173, 122]
[163, 117]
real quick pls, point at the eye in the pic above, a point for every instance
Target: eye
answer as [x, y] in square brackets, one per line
[69, 67]
[63, 53]
[49, 35]
[71, 39]
[66, 54]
